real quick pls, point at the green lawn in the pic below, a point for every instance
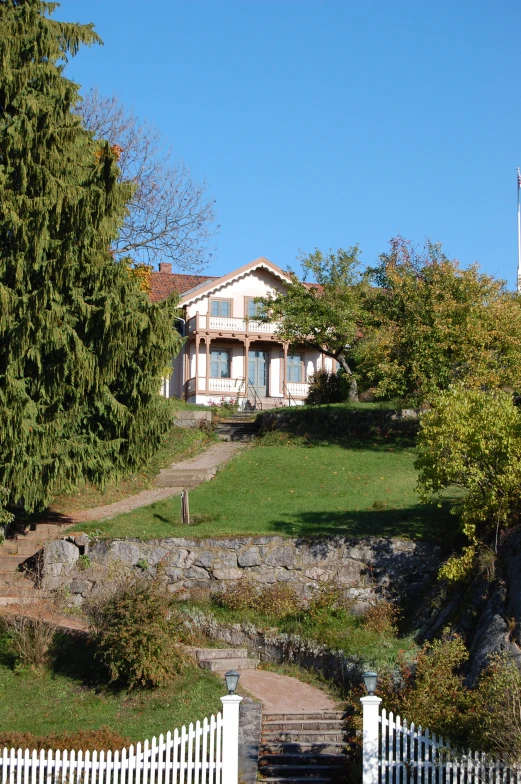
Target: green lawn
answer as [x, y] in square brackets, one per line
[288, 486]
[53, 702]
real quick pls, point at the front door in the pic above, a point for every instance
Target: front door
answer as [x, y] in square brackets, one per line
[258, 371]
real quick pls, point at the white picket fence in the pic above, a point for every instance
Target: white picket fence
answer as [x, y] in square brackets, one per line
[395, 752]
[205, 753]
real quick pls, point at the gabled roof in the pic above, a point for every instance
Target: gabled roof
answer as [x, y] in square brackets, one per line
[214, 284]
[165, 283]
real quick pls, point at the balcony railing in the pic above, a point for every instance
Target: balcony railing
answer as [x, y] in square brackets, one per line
[297, 390]
[219, 324]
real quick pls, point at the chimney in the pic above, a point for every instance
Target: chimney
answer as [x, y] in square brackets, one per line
[165, 267]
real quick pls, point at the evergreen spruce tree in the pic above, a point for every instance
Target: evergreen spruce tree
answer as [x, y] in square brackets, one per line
[82, 349]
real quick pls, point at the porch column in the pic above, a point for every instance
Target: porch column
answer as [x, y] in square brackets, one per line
[245, 365]
[208, 368]
[285, 370]
[197, 341]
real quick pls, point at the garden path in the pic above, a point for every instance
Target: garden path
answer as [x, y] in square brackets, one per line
[214, 457]
[283, 694]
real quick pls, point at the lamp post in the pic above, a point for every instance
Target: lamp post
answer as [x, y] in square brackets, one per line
[371, 729]
[230, 744]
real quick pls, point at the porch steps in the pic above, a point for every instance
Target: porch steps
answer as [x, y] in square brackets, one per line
[224, 659]
[301, 748]
[237, 430]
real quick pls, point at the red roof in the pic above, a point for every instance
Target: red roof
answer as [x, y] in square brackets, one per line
[165, 283]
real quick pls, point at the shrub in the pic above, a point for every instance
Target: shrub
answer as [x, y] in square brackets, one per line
[382, 618]
[138, 636]
[326, 601]
[31, 638]
[277, 600]
[327, 387]
[102, 739]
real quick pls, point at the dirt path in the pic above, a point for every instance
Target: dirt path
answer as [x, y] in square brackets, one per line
[282, 694]
[214, 457]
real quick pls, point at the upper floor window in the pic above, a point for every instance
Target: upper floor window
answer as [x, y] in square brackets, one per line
[221, 307]
[294, 368]
[219, 363]
[252, 308]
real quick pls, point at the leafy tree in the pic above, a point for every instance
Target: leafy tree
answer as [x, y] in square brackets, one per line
[433, 323]
[169, 214]
[471, 440]
[325, 315]
[81, 347]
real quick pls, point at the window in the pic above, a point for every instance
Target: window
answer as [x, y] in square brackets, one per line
[221, 307]
[219, 363]
[294, 368]
[252, 307]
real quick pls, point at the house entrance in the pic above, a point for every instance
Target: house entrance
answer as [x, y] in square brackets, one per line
[258, 371]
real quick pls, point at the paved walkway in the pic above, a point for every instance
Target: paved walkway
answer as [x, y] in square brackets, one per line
[282, 694]
[214, 457]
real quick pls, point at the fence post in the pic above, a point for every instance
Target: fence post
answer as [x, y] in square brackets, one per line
[370, 737]
[230, 747]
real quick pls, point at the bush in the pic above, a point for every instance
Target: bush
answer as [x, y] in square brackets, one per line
[276, 600]
[102, 739]
[31, 638]
[328, 600]
[138, 636]
[382, 618]
[327, 387]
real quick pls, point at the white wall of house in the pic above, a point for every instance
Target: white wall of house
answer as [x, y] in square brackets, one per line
[257, 283]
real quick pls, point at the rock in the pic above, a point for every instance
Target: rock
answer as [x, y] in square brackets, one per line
[227, 574]
[228, 560]
[205, 559]
[280, 556]
[174, 572]
[183, 558]
[126, 552]
[81, 586]
[156, 555]
[250, 557]
[60, 551]
[80, 540]
[197, 573]
[316, 573]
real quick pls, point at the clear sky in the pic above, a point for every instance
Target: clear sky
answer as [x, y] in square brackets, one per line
[329, 122]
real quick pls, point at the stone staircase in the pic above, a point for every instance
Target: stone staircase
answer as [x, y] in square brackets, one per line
[239, 427]
[303, 747]
[16, 585]
[224, 659]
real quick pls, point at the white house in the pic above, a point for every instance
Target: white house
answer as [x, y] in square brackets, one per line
[228, 353]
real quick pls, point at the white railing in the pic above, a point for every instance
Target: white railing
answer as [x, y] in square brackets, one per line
[297, 390]
[231, 324]
[206, 753]
[395, 752]
[233, 386]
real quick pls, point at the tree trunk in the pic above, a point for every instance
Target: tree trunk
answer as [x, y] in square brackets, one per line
[353, 386]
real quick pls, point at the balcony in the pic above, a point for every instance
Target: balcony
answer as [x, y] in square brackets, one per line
[230, 326]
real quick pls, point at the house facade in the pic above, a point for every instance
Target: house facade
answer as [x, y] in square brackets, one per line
[228, 352]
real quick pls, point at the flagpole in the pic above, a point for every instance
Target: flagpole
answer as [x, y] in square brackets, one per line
[518, 233]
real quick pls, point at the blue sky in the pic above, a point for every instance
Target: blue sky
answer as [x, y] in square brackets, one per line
[329, 122]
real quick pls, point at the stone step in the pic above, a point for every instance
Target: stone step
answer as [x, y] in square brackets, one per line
[5, 601]
[306, 736]
[328, 715]
[206, 654]
[304, 724]
[288, 772]
[222, 665]
[294, 780]
[288, 747]
[11, 562]
[21, 547]
[306, 758]
[24, 590]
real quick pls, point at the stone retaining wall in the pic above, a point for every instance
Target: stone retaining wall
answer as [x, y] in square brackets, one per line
[367, 569]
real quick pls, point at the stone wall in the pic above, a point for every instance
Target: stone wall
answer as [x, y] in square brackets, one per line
[367, 569]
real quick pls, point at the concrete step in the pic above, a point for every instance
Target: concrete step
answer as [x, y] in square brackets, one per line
[6, 601]
[21, 547]
[303, 724]
[304, 736]
[24, 590]
[308, 747]
[11, 562]
[222, 665]
[206, 654]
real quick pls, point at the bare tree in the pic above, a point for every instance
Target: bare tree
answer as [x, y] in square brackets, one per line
[170, 216]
